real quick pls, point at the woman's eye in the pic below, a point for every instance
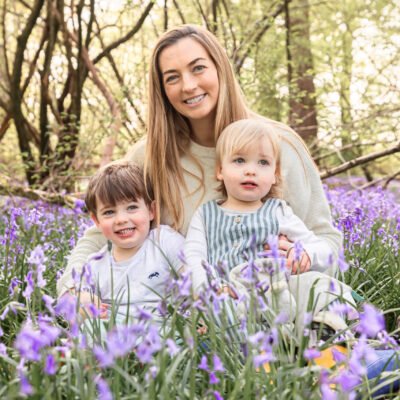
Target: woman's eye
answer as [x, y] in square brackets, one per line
[199, 68]
[171, 78]
[264, 162]
[239, 160]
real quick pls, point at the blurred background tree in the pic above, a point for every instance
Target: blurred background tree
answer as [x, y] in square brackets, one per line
[73, 78]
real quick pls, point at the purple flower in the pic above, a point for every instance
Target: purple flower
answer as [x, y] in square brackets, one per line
[217, 395]
[173, 349]
[26, 388]
[311, 353]
[343, 266]
[103, 389]
[203, 363]
[3, 349]
[30, 287]
[371, 321]
[66, 307]
[263, 358]
[338, 356]
[213, 379]
[50, 367]
[347, 380]
[104, 357]
[49, 301]
[217, 363]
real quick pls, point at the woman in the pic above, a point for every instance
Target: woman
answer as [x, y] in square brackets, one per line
[193, 96]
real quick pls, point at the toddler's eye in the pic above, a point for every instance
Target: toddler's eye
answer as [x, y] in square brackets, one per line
[239, 160]
[264, 162]
[132, 207]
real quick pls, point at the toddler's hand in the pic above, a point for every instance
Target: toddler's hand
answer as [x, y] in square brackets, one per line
[298, 266]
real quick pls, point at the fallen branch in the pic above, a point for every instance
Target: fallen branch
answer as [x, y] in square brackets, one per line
[360, 161]
[33, 194]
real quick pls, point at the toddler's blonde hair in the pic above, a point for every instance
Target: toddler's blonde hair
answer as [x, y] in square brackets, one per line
[240, 135]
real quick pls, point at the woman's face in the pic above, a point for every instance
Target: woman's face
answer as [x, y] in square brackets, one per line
[190, 80]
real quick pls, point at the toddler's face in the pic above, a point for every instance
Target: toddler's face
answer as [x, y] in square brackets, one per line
[248, 175]
[126, 224]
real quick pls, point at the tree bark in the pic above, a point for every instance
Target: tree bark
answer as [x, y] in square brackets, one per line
[302, 96]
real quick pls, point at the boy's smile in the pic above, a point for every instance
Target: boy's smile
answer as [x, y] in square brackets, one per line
[125, 224]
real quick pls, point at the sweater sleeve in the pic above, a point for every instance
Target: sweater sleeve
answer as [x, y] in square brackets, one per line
[319, 250]
[195, 251]
[303, 191]
[172, 243]
[93, 240]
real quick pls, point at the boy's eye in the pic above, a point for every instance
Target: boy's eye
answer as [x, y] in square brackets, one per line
[107, 212]
[132, 207]
[264, 162]
[239, 160]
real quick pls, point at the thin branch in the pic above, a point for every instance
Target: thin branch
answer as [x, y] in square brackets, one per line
[360, 161]
[386, 179]
[128, 36]
[256, 35]
[4, 125]
[178, 9]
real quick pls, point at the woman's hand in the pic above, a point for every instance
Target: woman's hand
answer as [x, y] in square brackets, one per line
[229, 290]
[284, 244]
[303, 264]
[286, 250]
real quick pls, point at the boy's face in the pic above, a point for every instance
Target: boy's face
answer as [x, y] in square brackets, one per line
[126, 224]
[248, 175]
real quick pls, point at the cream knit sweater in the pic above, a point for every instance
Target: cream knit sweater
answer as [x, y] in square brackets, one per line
[302, 191]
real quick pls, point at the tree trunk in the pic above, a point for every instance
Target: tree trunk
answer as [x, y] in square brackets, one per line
[302, 97]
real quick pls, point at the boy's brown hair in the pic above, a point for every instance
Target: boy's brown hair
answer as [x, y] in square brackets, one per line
[116, 182]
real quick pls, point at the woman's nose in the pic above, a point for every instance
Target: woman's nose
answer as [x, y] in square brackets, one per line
[189, 83]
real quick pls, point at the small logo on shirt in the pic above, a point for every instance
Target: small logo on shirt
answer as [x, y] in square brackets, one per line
[153, 275]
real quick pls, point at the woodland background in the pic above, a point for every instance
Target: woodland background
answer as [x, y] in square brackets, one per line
[73, 79]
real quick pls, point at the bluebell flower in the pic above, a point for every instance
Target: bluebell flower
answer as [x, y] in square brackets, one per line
[50, 367]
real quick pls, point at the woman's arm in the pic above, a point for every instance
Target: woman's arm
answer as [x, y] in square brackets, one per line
[195, 251]
[91, 242]
[304, 193]
[317, 249]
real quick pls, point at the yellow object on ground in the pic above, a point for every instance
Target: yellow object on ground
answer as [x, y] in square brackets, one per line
[326, 359]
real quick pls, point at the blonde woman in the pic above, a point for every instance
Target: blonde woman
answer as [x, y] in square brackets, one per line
[193, 96]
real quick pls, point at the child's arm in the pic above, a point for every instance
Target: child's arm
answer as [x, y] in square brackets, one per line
[195, 250]
[317, 253]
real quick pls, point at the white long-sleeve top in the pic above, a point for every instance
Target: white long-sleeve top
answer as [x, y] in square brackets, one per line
[196, 249]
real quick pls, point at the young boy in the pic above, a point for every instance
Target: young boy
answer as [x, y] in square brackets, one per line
[236, 228]
[133, 268]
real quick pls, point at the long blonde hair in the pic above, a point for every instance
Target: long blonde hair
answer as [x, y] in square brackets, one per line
[169, 133]
[242, 134]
